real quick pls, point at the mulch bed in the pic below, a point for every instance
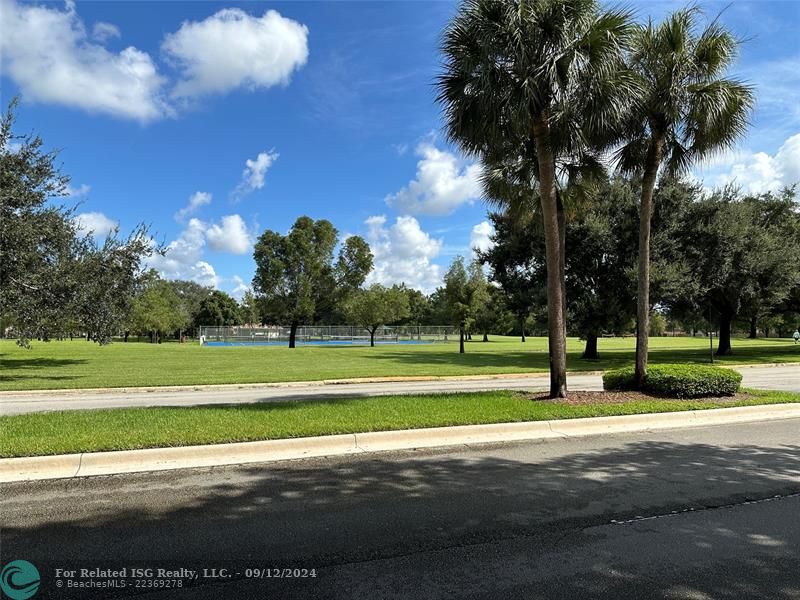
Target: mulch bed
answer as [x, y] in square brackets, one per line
[622, 397]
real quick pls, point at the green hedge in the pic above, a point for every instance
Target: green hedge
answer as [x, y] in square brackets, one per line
[677, 381]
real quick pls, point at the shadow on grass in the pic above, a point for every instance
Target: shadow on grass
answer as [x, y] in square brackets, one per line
[17, 369]
[357, 511]
[539, 360]
[38, 363]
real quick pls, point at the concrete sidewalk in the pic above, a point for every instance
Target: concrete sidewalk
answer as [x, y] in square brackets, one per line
[159, 459]
[775, 377]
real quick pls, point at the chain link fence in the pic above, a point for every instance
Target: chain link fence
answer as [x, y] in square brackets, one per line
[241, 335]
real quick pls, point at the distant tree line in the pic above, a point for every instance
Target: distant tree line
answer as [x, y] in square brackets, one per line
[721, 261]
[545, 95]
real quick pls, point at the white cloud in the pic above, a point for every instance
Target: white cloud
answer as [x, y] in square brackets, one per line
[756, 172]
[231, 236]
[54, 58]
[203, 273]
[403, 253]
[95, 223]
[48, 53]
[233, 49]
[254, 172]
[480, 237]
[183, 257]
[241, 288]
[78, 192]
[196, 200]
[103, 32]
[443, 183]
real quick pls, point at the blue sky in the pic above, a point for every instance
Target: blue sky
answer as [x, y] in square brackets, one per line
[214, 121]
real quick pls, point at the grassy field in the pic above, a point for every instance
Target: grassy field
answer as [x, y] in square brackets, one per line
[126, 429]
[80, 364]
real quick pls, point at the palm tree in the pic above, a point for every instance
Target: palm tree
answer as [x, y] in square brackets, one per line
[533, 79]
[509, 181]
[687, 111]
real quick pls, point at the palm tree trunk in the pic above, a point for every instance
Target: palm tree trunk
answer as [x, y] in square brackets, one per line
[555, 303]
[643, 292]
[562, 244]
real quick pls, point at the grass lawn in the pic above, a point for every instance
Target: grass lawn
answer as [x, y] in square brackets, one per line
[80, 364]
[124, 429]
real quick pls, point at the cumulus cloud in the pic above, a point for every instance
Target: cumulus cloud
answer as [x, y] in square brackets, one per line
[48, 53]
[232, 49]
[95, 223]
[240, 289]
[442, 184]
[196, 200]
[229, 236]
[480, 237]
[203, 273]
[103, 32]
[756, 172]
[183, 257]
[78, 192]
[403, 253]
[54, 58]
[254, 172]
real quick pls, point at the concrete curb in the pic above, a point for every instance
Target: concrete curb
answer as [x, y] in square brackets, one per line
[186, 457]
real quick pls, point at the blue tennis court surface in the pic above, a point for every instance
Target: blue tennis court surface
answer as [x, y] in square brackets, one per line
[320, 343]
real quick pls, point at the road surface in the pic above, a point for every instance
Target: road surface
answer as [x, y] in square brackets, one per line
[776, 378]
[701, 513]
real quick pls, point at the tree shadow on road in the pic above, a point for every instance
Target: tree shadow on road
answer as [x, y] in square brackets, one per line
[348, 510]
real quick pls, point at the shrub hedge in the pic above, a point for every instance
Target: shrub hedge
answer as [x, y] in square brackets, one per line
[677, 381]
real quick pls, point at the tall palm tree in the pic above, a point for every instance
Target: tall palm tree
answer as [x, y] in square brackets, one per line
[538, 73]
[687, 111]
[509, 181]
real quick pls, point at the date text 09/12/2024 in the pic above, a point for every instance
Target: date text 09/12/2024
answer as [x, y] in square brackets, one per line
[184, 573]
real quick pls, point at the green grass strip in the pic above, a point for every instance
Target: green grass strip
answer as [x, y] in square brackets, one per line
[126, 429]
[80, 364]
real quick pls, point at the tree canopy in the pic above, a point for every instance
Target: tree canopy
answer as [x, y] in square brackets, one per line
[53, 276]
[742, 253]
[296, 276]
[376, 306]
[218, 308]
[157, 310]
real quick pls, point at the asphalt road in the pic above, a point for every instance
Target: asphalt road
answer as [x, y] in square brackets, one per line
[701, 513]
[777, 378]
